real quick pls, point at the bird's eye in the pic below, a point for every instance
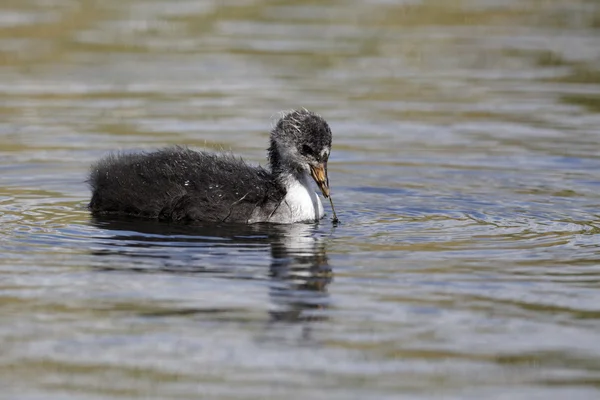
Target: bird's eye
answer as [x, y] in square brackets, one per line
[306, 149]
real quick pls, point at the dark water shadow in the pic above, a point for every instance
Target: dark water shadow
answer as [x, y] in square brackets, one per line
[298, 270]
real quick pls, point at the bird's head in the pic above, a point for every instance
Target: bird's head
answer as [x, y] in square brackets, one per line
[301, 141]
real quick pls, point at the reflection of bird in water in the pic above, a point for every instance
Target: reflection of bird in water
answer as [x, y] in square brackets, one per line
[298, 273]
[181, 185]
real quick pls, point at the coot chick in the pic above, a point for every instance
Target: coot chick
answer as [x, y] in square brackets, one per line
[180, 185]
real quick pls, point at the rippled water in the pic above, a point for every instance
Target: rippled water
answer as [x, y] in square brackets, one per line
[465, 170]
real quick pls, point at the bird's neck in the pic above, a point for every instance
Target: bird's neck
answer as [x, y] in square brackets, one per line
[283, 171]
[301, 202]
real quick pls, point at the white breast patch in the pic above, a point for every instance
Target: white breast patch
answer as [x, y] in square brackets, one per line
[300, 204]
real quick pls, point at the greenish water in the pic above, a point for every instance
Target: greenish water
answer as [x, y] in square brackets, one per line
[465, 170]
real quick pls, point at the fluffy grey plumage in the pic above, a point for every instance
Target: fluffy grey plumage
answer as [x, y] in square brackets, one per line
[180, 185]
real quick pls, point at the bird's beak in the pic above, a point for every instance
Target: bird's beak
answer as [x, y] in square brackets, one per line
[319, 174]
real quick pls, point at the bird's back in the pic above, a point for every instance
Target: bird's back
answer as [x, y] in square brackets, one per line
[182, 185]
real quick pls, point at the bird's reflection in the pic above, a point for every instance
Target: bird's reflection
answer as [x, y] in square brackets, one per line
[299, 274]
[298, 266]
